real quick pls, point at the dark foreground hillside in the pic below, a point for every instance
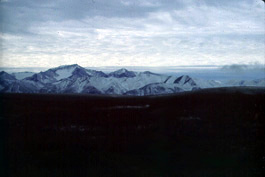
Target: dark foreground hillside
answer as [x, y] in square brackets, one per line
[207, 133]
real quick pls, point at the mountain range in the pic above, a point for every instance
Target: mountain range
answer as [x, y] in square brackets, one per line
[76, 79]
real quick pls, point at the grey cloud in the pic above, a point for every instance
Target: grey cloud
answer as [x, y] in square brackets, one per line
[17, 16]
[157, 31]
[244, 67]
[235, 67]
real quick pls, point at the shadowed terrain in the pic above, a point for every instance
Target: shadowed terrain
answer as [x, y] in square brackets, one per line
[210, 132]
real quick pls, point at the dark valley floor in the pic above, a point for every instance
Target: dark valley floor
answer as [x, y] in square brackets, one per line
[211, 132]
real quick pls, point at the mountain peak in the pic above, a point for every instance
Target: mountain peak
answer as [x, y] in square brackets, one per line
[122, 70]
[185, 79]
[122, 73]
[80, 72]
[5, 75]
[67, 66]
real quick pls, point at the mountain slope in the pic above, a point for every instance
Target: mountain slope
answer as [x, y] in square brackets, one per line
[22, 75]
[76, 79]
[256, 82]
[5, 79]
[122, 73]
[155, 89]
[8, 83]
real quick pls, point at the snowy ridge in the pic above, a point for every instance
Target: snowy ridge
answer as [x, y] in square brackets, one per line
[22, 75]
[76, 79]
[122, 73]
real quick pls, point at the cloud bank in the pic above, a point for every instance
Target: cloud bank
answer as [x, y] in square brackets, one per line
[243, 67]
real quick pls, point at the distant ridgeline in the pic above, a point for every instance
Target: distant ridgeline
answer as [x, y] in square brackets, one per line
[76, 79]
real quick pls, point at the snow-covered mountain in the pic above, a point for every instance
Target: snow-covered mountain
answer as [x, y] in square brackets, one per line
[22, 75]
[122, 73]
[155, 89]
[256, 82]
[55, 74]
[8, 83]
[76, 79]
[5, 79]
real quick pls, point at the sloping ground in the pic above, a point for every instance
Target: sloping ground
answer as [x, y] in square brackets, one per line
[76, 79]
[214, 132]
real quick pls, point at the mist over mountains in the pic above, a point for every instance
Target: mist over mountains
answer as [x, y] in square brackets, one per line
[76, 79]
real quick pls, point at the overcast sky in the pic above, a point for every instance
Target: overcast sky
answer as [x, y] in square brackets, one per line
[48, 33]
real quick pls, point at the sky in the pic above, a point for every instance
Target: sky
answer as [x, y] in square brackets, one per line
[155, 33]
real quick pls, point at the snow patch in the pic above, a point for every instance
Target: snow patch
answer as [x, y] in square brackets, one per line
[22, 75]
[64, 73]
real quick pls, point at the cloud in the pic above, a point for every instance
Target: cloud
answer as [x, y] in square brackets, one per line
[244, 67]
[235, 67]
[119, 32]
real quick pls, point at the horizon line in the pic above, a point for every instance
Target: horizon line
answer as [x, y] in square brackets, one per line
[121, 66]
